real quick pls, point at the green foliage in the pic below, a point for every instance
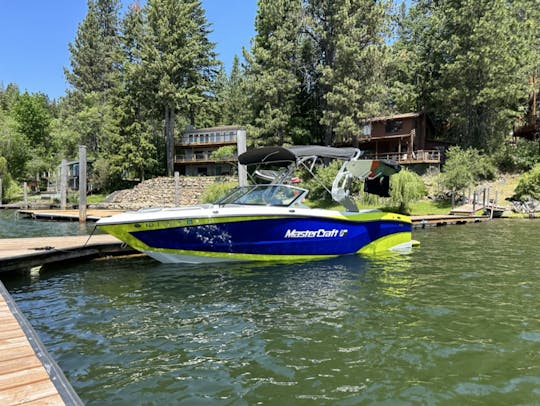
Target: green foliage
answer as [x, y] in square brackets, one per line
[216, 191]
[33, 118]
[177, 63]
[233, 96]
[14, 147]
[470, 62]
[273, 67]
[406, 187]
[95, 53]
[106, 176]
[517, 158]
[225, 152]
[529, 185]
[320, 185]
[463, 168]
[354, 56]
[10, 189]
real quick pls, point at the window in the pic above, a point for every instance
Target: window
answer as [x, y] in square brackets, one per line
[393, 126]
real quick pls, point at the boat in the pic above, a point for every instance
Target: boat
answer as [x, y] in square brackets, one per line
[267, 219]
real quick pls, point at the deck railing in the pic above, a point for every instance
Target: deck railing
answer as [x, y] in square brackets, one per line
[207, 140]
[203, 158]
[420, 156]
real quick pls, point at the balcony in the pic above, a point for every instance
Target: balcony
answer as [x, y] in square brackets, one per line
[207, 140]
[202, 158]
[417, 157]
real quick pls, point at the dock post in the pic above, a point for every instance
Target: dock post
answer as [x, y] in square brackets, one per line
[176, 189]
[82, 184]
[241, 147]
[25, 194]
[63, 185]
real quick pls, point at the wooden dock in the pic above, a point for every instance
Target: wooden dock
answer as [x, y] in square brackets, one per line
[445, 219]
[28, 375]
[26, 253]
[67, 215]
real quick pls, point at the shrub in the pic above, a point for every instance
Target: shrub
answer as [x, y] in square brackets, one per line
[529, 185]
[406, 187]
[216, 191]
[464, 167]
[520, 157]
[10, 189]
[321, 183]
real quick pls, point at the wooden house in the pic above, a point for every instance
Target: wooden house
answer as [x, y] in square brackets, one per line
[405, 138]
[193, 155]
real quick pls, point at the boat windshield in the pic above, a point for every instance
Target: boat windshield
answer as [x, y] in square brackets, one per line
[265, 195]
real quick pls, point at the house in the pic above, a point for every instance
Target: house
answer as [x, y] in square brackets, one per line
[52, 178]
[193, 151]
[406, 138]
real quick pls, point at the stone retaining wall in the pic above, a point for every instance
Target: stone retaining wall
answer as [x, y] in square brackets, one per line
[160, 192]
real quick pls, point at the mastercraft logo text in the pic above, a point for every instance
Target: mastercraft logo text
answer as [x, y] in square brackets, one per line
[320, 233]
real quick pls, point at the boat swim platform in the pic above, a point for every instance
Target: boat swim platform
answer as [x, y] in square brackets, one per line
[28, 374]
[27, 253]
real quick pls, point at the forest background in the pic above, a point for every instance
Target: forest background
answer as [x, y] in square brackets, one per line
[316, 70]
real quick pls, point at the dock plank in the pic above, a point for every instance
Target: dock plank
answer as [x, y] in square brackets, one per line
[39, 393]
[27, 373]
[23, 377]
[20, 363]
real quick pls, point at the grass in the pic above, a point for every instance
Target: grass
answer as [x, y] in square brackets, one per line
[426, 207]
[95, 198]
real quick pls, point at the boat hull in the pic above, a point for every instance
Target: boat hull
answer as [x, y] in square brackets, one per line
[208, 235]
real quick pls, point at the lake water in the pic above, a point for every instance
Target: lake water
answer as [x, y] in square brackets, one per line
[454, 322]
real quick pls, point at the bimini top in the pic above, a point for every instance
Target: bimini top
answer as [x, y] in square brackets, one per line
[287, 155]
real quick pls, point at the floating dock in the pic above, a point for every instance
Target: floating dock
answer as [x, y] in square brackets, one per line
[67, 215]
[28, 374]
[445, 219]
[27, 253]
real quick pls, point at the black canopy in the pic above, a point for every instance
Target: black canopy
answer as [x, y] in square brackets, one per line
[287, 155]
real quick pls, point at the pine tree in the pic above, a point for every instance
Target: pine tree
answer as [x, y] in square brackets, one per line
[353, 55]
[95, 52]
[234, 100]
[273, 70]
[178, 63]
[472, 68]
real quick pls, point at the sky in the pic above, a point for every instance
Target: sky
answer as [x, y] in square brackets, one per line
[34, 38]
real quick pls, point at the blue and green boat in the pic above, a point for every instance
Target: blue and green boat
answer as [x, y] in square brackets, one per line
[269, 221]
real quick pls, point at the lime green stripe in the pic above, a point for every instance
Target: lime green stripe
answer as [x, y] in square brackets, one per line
[243, 257]
[385, 243]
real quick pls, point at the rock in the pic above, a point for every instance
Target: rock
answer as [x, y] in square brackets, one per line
[160, 192]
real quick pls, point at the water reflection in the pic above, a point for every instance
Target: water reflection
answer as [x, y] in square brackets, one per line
[14, 226]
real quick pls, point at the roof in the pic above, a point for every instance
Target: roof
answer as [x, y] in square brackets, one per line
[394, 117]
[213, 129]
